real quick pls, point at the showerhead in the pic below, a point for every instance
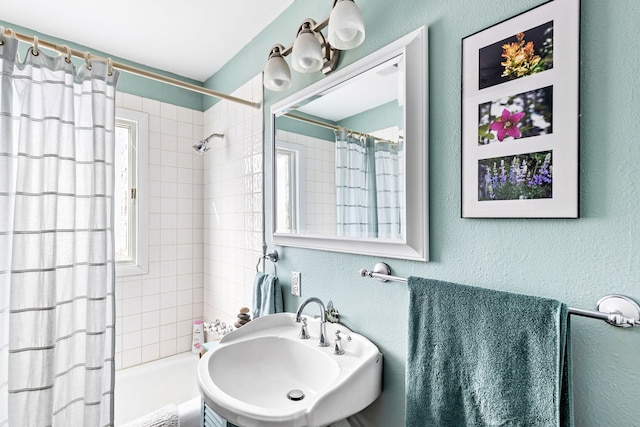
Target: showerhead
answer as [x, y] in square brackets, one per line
[201, 146]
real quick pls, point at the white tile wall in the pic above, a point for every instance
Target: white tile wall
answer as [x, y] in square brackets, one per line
[205, 225]
[320, 182]
[155, 311]
[232, 204]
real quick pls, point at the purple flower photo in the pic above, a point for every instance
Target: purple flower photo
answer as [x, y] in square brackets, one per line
[516, 177]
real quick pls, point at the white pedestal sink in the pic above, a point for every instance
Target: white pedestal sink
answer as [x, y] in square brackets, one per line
[264, 375]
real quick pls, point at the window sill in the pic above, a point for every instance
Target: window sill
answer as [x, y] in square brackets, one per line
[130, 269]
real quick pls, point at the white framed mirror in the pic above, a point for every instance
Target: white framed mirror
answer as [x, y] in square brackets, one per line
[350, 156]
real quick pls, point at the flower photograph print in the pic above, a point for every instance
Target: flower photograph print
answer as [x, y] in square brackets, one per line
[521, 116]
[519, 177]
[523, 54]
[520, 124]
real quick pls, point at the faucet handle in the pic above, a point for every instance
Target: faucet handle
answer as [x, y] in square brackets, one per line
[304, 333]
[337, 348]
[339, 337]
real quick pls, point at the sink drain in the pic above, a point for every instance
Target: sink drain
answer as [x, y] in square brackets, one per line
[295, 395]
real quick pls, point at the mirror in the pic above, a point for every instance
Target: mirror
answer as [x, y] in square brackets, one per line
[350, 158]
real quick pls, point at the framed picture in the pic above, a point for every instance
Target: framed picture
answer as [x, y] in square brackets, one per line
[520, 116]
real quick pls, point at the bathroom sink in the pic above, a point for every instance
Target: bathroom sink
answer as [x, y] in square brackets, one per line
[264, 375]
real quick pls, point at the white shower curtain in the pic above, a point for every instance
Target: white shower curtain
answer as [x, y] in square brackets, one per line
[56, 241]
[355, 186]
[390, 192]
[369, 187]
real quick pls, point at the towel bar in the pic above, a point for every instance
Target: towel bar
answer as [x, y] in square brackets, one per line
[617, 310]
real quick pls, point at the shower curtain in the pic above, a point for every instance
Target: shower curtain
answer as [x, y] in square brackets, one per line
[390, 192]
[56, 240]
[355, 186]
[369, 187]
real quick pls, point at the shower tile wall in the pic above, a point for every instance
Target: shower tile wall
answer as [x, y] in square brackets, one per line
[320, 182]
[155, 311]
[233, 217]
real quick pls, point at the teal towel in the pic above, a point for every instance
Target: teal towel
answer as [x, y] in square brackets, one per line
[267, 295]
[480, 357]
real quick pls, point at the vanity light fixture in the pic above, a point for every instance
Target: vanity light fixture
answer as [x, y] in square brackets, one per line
[310, 51]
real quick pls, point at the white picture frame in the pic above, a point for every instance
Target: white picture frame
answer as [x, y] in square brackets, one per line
[520, 116]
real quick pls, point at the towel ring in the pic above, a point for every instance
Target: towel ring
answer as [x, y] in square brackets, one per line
[275, 269]
[271, 256]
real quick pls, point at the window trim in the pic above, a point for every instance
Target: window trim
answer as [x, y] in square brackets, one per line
[299, 191]
[140, 239]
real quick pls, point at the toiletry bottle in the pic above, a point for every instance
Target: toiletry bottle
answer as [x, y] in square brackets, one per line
[198, 337]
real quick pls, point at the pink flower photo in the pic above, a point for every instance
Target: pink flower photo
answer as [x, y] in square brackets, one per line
[516, 117]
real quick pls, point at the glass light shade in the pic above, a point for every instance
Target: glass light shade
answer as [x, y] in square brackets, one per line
[306, 56]
[277, 76]
[346, 27]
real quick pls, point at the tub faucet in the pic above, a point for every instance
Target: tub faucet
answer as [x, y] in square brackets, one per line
[322, 341]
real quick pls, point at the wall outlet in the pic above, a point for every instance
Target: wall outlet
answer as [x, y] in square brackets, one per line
[295, 283]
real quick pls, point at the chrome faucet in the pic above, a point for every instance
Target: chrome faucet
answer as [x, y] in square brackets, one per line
[322, 341]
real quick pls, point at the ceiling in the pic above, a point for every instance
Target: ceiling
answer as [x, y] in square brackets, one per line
[191, 38]
[363, 92]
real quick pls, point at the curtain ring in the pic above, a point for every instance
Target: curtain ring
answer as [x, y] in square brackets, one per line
[109, 67]
[87, 60]
[67, 56]
[34, 50]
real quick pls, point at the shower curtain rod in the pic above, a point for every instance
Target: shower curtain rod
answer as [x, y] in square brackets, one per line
[335, 127]
[63, 49]
[615, 318]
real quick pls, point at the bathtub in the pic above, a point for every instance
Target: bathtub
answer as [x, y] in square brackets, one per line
[142, 389]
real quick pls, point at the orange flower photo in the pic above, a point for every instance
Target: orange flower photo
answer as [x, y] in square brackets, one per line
[521, 55]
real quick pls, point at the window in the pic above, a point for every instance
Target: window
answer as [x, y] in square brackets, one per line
[130, 200]
[290, 202]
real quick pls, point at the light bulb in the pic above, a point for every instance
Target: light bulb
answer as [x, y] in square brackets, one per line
[346, 27]
[277, 76]
[346, 34]
[306, 56]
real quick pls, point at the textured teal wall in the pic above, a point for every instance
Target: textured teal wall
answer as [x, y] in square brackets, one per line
[575, 261]
[381, 117]
[129, 83]
[302, 128]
